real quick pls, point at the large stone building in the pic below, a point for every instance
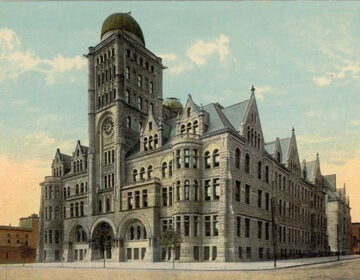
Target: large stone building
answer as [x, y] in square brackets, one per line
[153, 164]
[19, 244]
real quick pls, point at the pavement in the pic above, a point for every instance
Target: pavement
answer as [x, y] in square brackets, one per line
[199, 266]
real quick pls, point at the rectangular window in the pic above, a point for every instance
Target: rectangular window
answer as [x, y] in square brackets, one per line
[259, 229]
[267, 201]
[128, 73]
[195, 158]
[207, 226]
[178, 163]
[137, 199]
[164, 196]
[196, 225]
[140, 104]
[136, 253]
[247, 228]
[240, 252]
[215, 225]
[145, 198]
[207, 190]
[238, 226]
[50, 236]
[186, 225]
[267, 231]
[216, 194]
[186, 158]
[248, 252]
[139, 81]
[57, 236]
[196, 253]
[247, 194]
[261, 253]
[170, 196]
[151, 87]
[178, 224]
[130, 200]
[164, 225]
[259, 198]
[214, 253]
[206, 253]
[237, 190]
[128, 253]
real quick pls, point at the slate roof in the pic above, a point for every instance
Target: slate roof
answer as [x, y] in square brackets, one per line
[284, 144]
[269, 147]
[310, 169]
[236, 113]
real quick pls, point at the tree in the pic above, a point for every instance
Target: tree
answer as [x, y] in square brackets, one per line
[102, 239]
[170, 239]
[26, 252]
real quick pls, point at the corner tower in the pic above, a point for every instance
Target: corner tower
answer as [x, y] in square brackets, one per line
[124, 83]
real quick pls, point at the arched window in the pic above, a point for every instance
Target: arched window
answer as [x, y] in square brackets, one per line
[248, 134]
[144, 233]
[252, 137]
[108, 205]
[207, 159]
[196, 190]
[150, 142]
[142, 173]
[77, 189]
[247, 163]
[138, 232]
[188, 128]
[135, 173]
[64, 192]
[259, 170]
[163, 169]
[145, 144]
[267, 174]
[182, 129]
[258, 141]
[195, 127]
[77, 209]
[128, 122]
[178, 190]
[237, 158]
[186, 190]
[216, 158]
[280, 206]
[188, 111]
[132, 233]
[150, 126]
[156, 141]
[149, 172]
[68, 191]
[100, 206]
[82, 188]
[127, 96]
[170, 168]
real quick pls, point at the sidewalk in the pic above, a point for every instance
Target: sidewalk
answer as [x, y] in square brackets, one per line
[200, 266]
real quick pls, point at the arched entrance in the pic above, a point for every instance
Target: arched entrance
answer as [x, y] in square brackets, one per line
[102, 241]
[136, 245]
[78, 244]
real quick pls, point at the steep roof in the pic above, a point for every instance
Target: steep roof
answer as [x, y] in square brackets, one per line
[236, 113]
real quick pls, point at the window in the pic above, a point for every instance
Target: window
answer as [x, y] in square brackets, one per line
[267, 231]
[135, 173]
[196, 190]
[178, 164]
[178, 224]
[237, 190]
[164, 196]
[215, 225]
[261, 253]
[137, 199]
[247, 163]
[247, 228]
[207, 226]
[170, 196]
[149, 172]
[170, 168]
[186, 190]
[216, 157]
[196, 225]
[216, 189]
[144, 198]
[267, 201]
[178, 190]
[195, 158]
[207, 159]
[186, 225]
[238, 226]
[188, 111]
[259, 229]
[240, 252]
[259, 170]
[151, 87]
[186, 158]
[127, 97]
[139, 81]
[130, 200]
[142, 173]
[207, 190]
[140, 106]
[248, 252]
[247, 194]
[195, 127]
[259, 198]
[128, 73]
[237, 158]
[128, 122]
[163, 169]
[267, 174]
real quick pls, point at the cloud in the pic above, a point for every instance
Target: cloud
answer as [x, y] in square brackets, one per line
[355, 123]
[199, 52]
[322, 81]
[168, 56]
[260, 91]
[39, 139]
[15, 60]
[312, 139]
[312, 114]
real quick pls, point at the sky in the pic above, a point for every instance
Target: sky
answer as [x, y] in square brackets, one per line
[302, 57]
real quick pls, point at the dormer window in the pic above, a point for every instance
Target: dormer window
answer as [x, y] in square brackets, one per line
[278, 157]
[150, 126]
[182, 129]
[195, 127]
[145, 144]
[188, 111]
[156, 141]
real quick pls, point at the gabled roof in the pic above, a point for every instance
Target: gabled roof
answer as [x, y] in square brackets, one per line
[236, 113]
[310, 170]
[65, 158]
[284, 145]
[269, 147]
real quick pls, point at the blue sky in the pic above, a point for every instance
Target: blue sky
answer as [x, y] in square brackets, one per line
[302, 57]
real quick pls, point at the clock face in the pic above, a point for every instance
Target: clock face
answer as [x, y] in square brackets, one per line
[108, 127]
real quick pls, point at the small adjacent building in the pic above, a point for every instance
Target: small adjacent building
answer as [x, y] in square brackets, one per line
[355, 238]
[18, 244]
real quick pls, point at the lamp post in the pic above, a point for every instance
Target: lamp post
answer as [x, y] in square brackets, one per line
[338, 242]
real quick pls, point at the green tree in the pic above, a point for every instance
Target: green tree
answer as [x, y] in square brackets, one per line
[103, 239]
[170, 240]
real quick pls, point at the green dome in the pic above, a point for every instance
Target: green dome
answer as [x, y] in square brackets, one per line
[122, 21]
[173, 104]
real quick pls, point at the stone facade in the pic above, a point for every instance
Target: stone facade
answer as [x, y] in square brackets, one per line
[204, 171]
[355, 238]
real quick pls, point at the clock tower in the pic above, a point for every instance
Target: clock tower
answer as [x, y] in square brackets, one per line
[124, 84]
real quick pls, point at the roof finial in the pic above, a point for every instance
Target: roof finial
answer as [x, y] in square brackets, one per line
[252, 89]
[317, 155]
[293, 130]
